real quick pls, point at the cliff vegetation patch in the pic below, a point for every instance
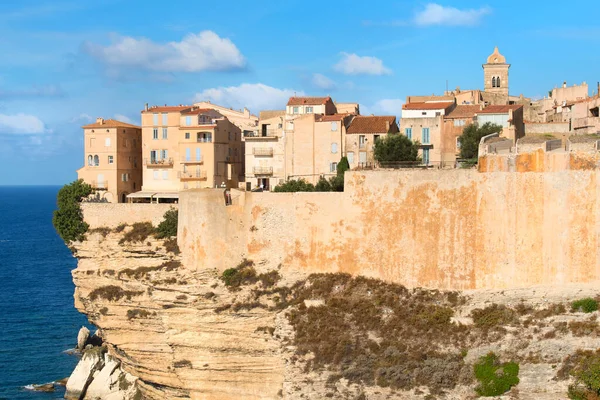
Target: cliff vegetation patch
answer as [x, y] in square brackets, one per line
[112, 293]
[495, 378]
[142, 272]
[168, 226]
[139, 232]
[68, 218]
[587, 305]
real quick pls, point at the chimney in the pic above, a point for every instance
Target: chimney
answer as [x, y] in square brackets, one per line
[564, 84]
[387, 126]
[100, 121]
[146, 107]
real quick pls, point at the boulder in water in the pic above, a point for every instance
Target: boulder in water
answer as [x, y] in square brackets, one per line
[46, 387]
[91, 362]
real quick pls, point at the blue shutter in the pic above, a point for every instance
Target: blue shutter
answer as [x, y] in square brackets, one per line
[198, 154]
[187, 154]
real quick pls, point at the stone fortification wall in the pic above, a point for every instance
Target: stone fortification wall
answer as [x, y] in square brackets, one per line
[112, 215]
[456, 229]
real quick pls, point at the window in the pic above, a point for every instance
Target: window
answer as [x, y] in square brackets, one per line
[494, 82]
[458, 143]
[279, 126]
[334, 126]
[165, 119]
[334, 148]
[96, 161]
[188, 121]
[333, 167]
[497, 81]
[198, 154]
[155, 133]
[308, 110]
[135, 162]
[425, 135]
[350, 157]
[423, 112]
[110, 159]
[438, 113]
[156, 175]
[426, 156]
[165, 174]
[408, 133]
[124, 177]
[187, 135]
[155, 119]
[152, 156]
[459, 122]
[164, 154]
[125, 143]
[229, 136]
[90, 160]
[375, 138]
[295, 110]
[107, 142]
[165, 133]
[362, 141]
[362, 157]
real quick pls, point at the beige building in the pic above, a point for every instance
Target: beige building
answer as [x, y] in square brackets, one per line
[362, 134]
[113, 159]
[454, 124]
[241, 118]
[422, 122]
[510, 117]
[495, 77]
[304, 141]
[187, 147]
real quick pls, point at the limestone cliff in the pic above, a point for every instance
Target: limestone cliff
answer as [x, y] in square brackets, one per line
[183, 333]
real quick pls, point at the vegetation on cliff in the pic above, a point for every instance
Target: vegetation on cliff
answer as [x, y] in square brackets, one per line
[586, 305]
[68, 218]
[333, 184]
[168, 226]
[495, 378]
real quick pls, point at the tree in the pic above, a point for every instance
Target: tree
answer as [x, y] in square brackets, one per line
[323, 185]
[293, 185]
[471, 136]
[168, 227]
[394, 148]
[68, 218]
[343, 166]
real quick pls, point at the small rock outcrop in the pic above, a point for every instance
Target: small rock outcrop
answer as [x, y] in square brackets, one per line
[82, 338]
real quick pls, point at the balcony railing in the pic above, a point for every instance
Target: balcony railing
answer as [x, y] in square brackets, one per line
[99, 185]
[192, 175]
[192, 160]
[262, 151]
[204, 140]
[262, 170]
[261, 133]
[158, 162]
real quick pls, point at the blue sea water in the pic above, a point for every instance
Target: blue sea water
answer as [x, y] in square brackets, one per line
[38, 321]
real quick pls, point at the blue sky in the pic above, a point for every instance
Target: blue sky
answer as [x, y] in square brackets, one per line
[67, 62]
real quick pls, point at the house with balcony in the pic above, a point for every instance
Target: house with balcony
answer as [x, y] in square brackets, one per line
[586, 116]
[112, 159]
[361, 136]
[186, 147]
[422, 122]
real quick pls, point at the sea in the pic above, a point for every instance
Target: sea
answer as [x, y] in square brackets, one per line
[38, 320]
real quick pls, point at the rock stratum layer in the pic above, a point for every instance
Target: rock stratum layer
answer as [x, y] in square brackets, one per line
[180, 333]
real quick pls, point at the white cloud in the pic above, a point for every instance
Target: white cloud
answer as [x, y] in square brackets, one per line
[388, 106]
[255, 96]
[205, 51]
[322, 82]
[352, 64]
[21, 124]
[36, 91]
[435, 14]
[124, 118]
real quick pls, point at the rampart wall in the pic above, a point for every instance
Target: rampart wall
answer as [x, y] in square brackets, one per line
[450, 229]
[112, 215]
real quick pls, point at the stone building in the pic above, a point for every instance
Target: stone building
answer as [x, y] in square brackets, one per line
[495, 77]
[113, 159]
[362, 134]
[510, 117]
[453, 125]
[187, 147]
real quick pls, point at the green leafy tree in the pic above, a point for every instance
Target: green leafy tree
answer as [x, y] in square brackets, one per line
[394, 148]
[471, 136]
[168, 226]
[294, 185]
[68, 218]
[323, 185]
[343, 166]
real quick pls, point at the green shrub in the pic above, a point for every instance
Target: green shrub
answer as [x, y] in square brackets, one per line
[323, 185]
[168, 227]
[243, 274]
[68, 218]
[112, 293]
[493, 316]
[293, 185]
[586, 370]
[586, 305]
[395, 148]
[138, 233]
[495, 378]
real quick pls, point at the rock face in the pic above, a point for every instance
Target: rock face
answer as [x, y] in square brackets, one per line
[173, 332]
[82, 338]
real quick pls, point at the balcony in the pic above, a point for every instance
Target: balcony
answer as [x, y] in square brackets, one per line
[158, 163]
[99, 185]
[262, 151]
[192, 160]
[261, 134]
[262, 170]
[192, 175]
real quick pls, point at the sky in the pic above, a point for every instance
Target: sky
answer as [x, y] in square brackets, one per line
[63, 63]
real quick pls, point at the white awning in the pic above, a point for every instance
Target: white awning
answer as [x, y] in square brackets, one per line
[153, 195]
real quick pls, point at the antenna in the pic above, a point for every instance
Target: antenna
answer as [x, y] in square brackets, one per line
[446, 85]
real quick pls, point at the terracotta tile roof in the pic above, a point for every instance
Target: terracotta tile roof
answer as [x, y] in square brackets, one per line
[110, 123]
[311, 101]
[267, 114]
[500, 109]
[372, 124]
[427, 106]
[331, 118]
[463, 111]
[158, 109]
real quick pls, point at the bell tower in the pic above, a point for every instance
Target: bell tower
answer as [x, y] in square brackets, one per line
[495, 74]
